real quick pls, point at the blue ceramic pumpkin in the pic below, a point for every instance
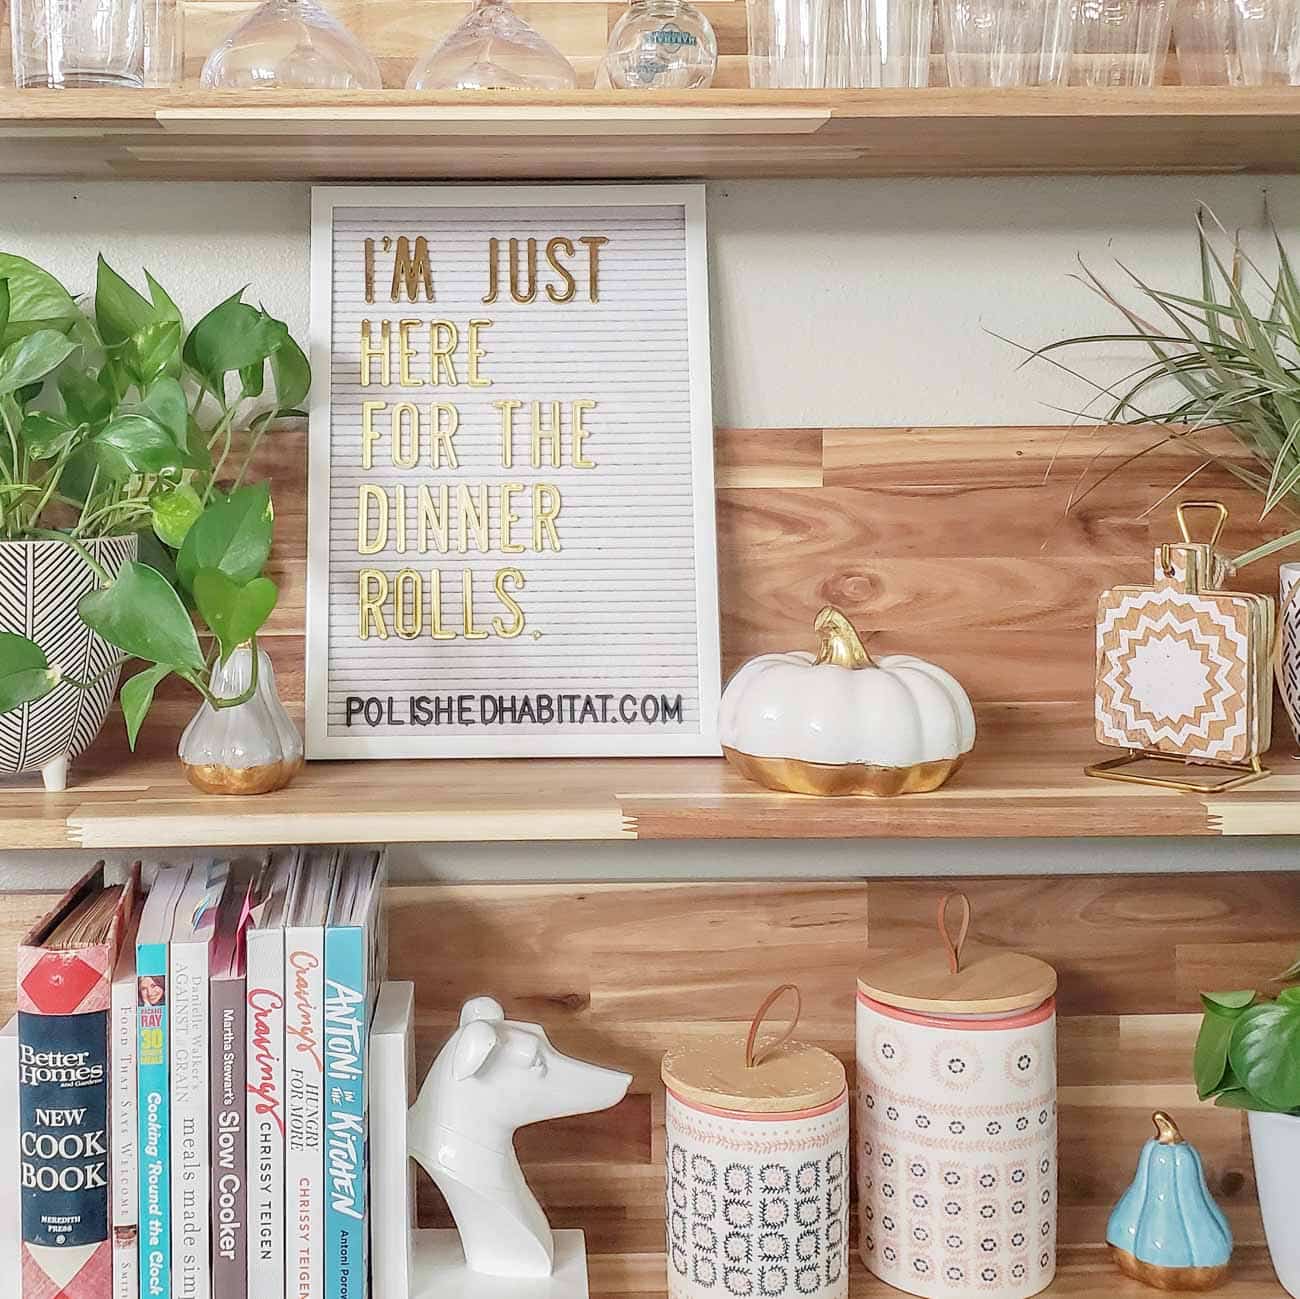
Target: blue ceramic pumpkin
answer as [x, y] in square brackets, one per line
[1166, 1229]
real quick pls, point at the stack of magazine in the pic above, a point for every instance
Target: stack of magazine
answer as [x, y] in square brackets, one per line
[183, 1090]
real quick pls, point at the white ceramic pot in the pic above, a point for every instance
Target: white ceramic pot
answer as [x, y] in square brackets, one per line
[40, 585]
[757, 1204]
[1275, 1145]
[957, 1150]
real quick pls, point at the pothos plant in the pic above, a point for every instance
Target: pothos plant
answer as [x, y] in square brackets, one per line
[1248, 1050]
[117, 418]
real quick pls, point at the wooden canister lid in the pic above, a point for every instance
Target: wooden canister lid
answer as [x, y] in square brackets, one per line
[955, 977]
[734, 1071]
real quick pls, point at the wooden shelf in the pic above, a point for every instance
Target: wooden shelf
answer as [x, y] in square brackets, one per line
[286, 135]
[1082, 1273]
[1025, 778]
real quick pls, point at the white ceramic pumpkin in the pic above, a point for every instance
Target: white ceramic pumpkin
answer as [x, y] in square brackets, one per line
[841, 722]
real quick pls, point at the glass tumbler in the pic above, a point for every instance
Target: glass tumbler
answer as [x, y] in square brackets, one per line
[788, 43]
[76, 44]
[889, 42]
[1005, 43]
[1119, 42]
[1238, 42]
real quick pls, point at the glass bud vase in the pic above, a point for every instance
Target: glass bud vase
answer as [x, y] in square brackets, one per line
[661, 45]
[493, 49]
[291, 45]
[252, 748]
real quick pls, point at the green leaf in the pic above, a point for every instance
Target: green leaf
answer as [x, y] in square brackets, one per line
[165, 401]
[45, 435]
[164, 307]
[1237, 1000]
[232, 534]
[154, 350]
[1239, 1098]
[135, 443]
[1210, 1058]
[152, 552]
[137, 697]
[141, 614]
[1289, 996]
[292, 375]
[252, 379]
[25, 673]
[174, 512]
[120, 310]
[1265, 1052]
[36, 299]
[84, 398]
[233, 612]
[232, 336]
[4, 307]
[32, 358]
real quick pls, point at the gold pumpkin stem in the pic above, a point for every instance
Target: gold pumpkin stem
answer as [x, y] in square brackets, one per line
[1167, 1133]
[839, 642]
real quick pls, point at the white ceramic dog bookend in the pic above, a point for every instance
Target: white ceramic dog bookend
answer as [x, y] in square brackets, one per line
[493, 1076]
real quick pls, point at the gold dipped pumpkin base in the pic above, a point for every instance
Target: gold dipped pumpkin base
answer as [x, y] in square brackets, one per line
[216, 778]
[824, 779]
[1168, 1278]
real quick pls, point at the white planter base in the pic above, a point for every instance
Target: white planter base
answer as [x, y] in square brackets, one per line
[438, 1271]
[1275, 1146]
[55, 774]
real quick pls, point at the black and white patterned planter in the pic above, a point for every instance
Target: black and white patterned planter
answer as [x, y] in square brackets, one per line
[40, 585]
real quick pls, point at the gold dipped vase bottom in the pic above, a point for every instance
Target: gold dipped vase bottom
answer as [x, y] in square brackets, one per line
[217, 778]
[1168, 1278]
[796, 776]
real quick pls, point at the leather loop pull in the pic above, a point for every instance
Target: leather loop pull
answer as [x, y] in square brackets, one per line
[754, 1058]
[954, 948]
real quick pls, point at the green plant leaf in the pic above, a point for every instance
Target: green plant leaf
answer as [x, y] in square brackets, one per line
[31, 358]
[174, 512]
[135, 443]
[233, 534]
[137, 697]
[232, 336]
[120, 310]
[36, 299]
[154, 351]
[1240, 1098]
[4, 307]
[252, 379]
[153, 553]
[25, 673]
[1289, 996]
[164, 307]
[142, 615]
[84, 398]
[165, 401]
[1236, 1000]
[1210, 1058]
[233, 612]
[1265, 1052]
[292, 375]
[45, 435]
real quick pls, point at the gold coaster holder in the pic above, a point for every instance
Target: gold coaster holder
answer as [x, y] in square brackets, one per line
[1235, 774]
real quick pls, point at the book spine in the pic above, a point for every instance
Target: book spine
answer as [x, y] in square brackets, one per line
[153, 1064]
[123, 1157]
[63, 1175]
[191, 1278]
[346, 1202]
[304, 953]
[229, 1191]
[264, 1032]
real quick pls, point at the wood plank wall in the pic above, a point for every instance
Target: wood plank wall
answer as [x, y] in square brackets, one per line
[397, 32]
[618, 973]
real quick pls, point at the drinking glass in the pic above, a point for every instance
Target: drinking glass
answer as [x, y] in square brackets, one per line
[1238, 42]
[890, 42]
[1119, 42]
[73, 44]
[787, 43]
[1006, 43]
[661, 45]
[493, 49]
[290, 44]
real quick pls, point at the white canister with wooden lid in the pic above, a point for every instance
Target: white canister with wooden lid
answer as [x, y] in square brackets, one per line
[757, 1167]
[956, 1140]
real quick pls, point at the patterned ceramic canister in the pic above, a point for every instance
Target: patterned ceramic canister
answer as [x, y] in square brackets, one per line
[757, 1170]
[1288, 664]
[41, 583]
[956, 1136]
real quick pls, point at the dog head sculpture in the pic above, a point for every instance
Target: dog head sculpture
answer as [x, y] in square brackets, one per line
[495, 1075]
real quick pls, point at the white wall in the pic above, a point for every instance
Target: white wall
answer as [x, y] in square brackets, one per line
[834, 303]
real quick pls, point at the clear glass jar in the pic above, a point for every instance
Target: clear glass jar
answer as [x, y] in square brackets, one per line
[493, 49]
[252, 748]
[80, 44]
[1006, 43]
[661, 45]
[1120, 42]
[294, 45]
[1238, 42]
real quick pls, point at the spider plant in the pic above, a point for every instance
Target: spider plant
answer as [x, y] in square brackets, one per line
[1226, 359]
